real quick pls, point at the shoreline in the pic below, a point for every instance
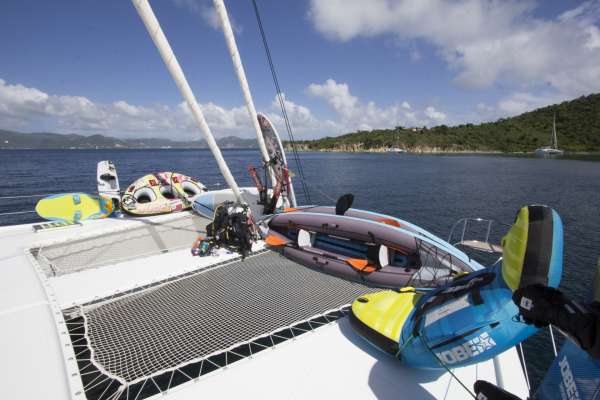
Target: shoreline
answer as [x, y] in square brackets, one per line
[289, 150]
[439, 152]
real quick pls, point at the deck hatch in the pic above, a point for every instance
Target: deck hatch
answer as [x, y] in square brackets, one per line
[176, 331]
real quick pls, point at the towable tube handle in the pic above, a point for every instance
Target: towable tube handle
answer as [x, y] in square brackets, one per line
[319, 262]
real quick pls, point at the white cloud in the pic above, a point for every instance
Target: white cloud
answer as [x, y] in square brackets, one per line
[431, 112]
[126, 108]
[337, 95]
[514, 104]
[484, 41]
[25, 108]
[30, 109]
[354, 114]
[207, 12]
[304, 124]
[18, 99]
[521, 102]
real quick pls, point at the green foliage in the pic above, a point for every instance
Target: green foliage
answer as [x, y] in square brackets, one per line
[577, 126]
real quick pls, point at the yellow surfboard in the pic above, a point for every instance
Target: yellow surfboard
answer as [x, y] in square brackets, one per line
[74, 207]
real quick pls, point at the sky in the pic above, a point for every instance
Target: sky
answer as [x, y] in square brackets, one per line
[89, 66]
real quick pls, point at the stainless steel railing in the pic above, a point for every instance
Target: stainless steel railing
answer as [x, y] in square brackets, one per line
[474, 233]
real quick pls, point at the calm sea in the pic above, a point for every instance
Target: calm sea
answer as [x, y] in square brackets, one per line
[431, 191]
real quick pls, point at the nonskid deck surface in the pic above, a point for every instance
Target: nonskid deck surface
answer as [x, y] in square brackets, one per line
[97, 250]
[152, 340]
[311, 366]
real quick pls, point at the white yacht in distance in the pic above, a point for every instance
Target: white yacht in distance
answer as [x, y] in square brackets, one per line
[118, 309]
[553, 149]
[396, 149]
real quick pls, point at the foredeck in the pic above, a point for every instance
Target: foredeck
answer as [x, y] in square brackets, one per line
[328, 359]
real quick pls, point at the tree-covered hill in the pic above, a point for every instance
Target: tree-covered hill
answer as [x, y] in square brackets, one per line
[577, 125]
[18, 140]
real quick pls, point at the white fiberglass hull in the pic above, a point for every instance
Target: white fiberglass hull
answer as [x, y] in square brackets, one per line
[34, 342]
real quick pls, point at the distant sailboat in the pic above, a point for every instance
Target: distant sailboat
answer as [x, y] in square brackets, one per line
[396, 149]
[553, 149]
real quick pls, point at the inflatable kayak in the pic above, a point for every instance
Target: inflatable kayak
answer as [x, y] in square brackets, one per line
[74, 207]
[376, 217]
[473, 318]
[160, 193]
[377, 251]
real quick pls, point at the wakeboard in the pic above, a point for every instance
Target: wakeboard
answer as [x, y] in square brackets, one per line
[74, 207]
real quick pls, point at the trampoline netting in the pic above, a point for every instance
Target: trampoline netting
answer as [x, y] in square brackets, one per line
[143, 336]
[149, 239]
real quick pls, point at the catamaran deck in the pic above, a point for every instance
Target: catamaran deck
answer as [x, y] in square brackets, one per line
[118, 308]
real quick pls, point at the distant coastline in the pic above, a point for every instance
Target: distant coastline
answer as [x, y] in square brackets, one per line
[577, 126]
[18, 140]
[440, 152]
[384, 150]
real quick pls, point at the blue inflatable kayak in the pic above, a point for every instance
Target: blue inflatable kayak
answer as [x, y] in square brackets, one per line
[473, 318]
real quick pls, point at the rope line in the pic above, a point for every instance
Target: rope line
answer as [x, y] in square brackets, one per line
[17, 212]
[443, 364]
[316, 187]
[281, 100]
[554, 349]
[27, 196]
[522, 356]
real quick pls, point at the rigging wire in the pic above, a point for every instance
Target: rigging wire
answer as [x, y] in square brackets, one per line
[316, 187]
[281, 100]
[325, 194]
[27, 196]
[17, 212]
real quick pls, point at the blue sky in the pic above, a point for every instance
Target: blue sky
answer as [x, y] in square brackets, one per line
[89, 66]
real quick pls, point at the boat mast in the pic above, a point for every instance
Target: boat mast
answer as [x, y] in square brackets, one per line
[166, 52]
[554, 139]
[241, 74]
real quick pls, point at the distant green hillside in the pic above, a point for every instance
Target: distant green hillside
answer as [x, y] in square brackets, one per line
[17, 140]
[577, 125]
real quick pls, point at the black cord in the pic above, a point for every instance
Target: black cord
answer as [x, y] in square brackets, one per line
[282, 103]
[424, 341]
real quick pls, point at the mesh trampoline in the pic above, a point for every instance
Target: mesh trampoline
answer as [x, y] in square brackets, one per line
[147, 342]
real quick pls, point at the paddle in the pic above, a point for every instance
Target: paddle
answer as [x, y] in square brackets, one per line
[344, 203]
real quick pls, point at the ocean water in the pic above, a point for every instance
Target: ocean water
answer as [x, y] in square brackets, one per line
[429, 190]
